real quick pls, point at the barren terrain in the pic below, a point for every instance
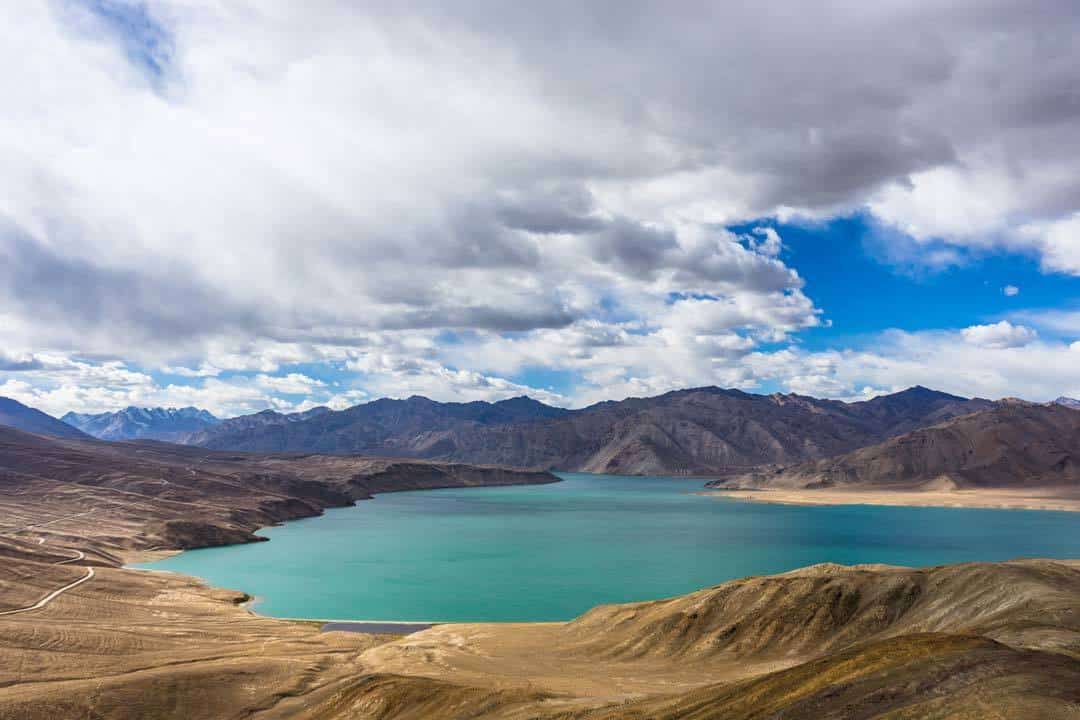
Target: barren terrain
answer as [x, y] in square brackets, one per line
[81, 637]
[826, 641]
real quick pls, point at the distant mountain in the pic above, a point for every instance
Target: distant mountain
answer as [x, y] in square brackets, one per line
[1068, 402]
[133, 423]
[21, 417]
[384, 425]
[1015, 444]
[699, 431]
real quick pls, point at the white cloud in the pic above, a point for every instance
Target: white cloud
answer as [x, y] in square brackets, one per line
[1039, 371]
[998, 335]
[289, 384]
[400, 377]
[1010, 291]
[203, 370]
[444, 198]
[1058, 242]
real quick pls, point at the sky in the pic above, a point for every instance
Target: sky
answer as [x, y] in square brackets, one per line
[244, 205]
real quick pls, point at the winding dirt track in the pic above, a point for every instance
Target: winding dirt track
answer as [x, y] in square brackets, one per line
[79, 555]
[53, 595]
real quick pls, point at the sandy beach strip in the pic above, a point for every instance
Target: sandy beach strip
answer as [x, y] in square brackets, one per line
[1065, 499]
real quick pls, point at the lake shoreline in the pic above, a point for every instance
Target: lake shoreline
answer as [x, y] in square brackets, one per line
[418, 541]
[950, 499]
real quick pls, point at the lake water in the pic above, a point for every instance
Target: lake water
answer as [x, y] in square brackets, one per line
[550, 552]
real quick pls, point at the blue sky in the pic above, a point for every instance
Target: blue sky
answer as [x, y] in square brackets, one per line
[861, 292]
[283, 205]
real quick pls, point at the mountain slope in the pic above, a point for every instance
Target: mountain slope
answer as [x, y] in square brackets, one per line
[915, 677]
[826, 641]
[697, 431]
[21, 417]
[133, 423]
[1014, 445]
[119, 496]
[1068, 402]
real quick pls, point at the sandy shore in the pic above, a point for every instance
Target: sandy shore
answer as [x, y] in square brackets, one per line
[1067, 499]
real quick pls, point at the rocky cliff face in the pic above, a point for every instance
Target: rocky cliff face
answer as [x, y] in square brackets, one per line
[1013, 445]
[700, 431]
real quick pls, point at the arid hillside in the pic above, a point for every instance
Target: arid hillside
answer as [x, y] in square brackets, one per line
[823, 642]
[1014, 445]
[108, 498]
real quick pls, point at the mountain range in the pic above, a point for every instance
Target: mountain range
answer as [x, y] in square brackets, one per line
[700, 431]
[778, 440]
[134, 423]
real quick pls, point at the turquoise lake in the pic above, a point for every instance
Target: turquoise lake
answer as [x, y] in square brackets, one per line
[550, 552]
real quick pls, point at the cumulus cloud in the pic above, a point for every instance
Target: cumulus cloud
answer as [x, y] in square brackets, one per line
[1058, 242]
[998, 335]
[227, 191]
[290, 384]
[1010, 291]
[895, 360]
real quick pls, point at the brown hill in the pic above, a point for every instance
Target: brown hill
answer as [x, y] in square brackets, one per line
[1015, 445]
[822, 642]
[914, 677]
[109, 497]
[826, 608]
[701, 431]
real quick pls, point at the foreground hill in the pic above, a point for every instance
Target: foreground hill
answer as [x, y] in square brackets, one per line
[120, 497]
[21, 417]
[699, 431]
[826, 641]
[823, 642]
[133, 423]
[1014, 445]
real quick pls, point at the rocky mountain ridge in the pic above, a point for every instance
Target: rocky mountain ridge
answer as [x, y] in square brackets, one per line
[700, 431]
[135, 423]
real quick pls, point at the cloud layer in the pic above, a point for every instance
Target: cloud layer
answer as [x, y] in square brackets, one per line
[435, 198]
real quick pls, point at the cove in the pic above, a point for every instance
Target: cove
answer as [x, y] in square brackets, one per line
[551, 552]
